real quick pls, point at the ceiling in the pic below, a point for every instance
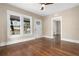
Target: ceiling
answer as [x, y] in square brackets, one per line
[50, 9]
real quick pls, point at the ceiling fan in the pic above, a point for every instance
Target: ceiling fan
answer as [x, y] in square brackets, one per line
[43, 5]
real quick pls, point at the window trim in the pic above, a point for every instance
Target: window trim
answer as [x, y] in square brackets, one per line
[21, 24]
[24, 16]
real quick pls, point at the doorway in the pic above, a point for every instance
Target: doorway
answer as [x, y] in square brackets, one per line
[57, 31]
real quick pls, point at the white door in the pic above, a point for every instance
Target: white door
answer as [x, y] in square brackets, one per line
[38, 28]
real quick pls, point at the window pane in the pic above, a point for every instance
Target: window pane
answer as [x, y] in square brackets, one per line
[14, 25]
[26, 25]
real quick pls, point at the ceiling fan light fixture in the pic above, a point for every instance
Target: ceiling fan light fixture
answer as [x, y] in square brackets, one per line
[43, 6]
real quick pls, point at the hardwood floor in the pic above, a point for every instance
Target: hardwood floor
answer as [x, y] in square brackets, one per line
[41, 47]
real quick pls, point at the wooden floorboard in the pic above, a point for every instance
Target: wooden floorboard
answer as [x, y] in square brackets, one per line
[41, 47]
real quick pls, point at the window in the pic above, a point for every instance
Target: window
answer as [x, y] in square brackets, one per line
[26, 25]
[18, 24]
[14, 25]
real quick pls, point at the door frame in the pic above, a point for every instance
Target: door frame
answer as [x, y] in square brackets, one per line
[35, 27]
[56, 18]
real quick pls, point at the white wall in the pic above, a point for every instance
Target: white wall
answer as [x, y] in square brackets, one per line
[70, 22]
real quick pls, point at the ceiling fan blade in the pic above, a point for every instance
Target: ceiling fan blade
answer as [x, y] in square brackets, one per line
[46, 3]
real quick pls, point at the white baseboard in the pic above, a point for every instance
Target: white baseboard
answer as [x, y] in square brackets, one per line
[13, 41]
[27, 39]
[48, 37]
[2, 43]
[70, 40]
